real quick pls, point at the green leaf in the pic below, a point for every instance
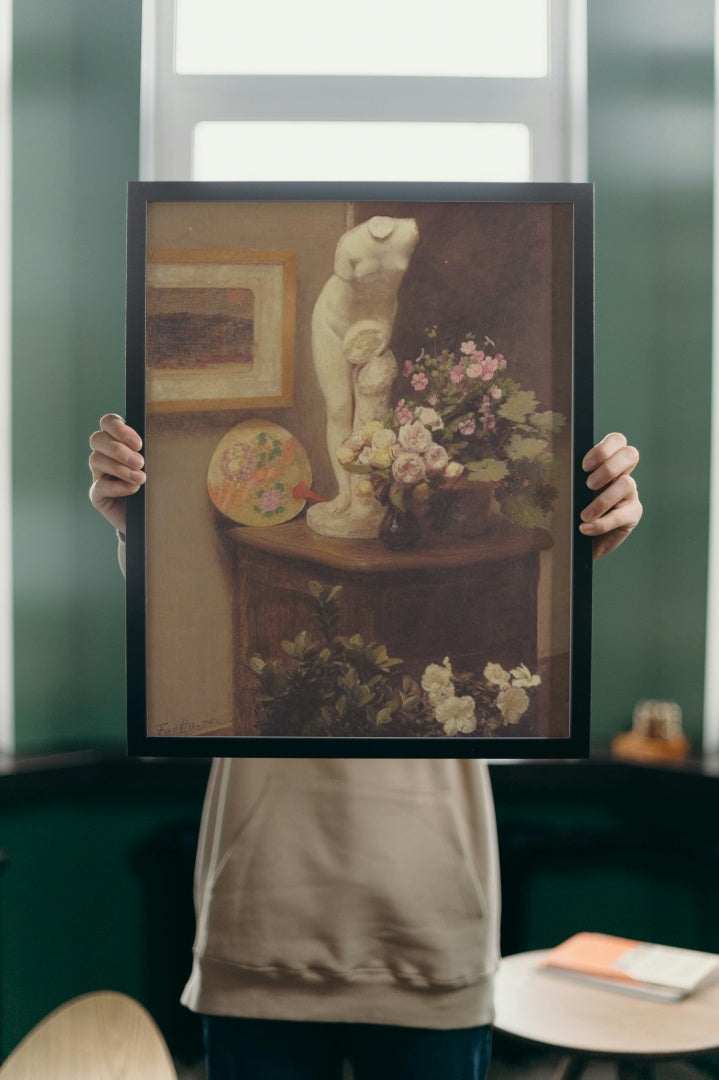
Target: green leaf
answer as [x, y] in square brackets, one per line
[520, 448]
[548, 421]
[302, 642]
[519, 405]
[488, 469]
[398, 496]
[257, 664]
[359, 470]
[362, 695]
[523, 510]
[288, 647]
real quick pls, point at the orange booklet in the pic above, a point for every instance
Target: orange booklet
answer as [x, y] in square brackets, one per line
[662, 972]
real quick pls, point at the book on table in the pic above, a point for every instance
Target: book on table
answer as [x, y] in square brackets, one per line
[661, 972]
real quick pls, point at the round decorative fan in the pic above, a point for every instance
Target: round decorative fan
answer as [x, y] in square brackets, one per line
[259, 474]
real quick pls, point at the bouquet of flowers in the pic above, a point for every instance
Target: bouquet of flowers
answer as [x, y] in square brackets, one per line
[344, 686]
[461, 417]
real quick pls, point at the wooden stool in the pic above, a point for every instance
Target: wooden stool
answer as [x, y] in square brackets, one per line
[99, 1036]
[586, 1022]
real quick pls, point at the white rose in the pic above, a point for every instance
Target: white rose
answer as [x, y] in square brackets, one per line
[454, 470]
[345, 454]
[436, 458]
[415, 437]
[522, 676]
[513, 703]
[408, 468]
[437, 680]
[429, 417]
[457, 714]
[496, 675]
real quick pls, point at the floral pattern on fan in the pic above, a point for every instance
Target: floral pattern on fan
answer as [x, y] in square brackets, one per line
[256, 472]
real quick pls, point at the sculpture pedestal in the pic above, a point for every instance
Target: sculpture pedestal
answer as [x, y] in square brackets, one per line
[472, 600]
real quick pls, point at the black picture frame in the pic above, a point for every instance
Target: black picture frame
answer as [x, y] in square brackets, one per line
[529, 245]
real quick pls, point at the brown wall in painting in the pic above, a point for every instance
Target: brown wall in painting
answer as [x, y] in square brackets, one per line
[188, 575]
[503, 286]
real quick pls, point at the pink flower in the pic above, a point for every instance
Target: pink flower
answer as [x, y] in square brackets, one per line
[408, 368]
[468, 347]
[488, 368]
[457, 373]
[468, 426]
[489, 422]
[496, 392]
[408, 468]
[415, 437]
[432, 399]
[501, 362]
[436, 458]
[402, 414]
[419, 381]
[269, 500]
[474, 371]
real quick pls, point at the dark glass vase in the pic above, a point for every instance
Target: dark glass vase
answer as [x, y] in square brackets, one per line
[399, 528]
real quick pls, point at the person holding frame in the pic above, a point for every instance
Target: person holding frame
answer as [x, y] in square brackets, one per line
[349, 909]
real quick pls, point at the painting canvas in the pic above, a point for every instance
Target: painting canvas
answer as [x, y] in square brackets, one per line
[371, 548]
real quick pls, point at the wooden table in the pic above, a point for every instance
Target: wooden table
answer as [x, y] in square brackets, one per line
[588, 1022]
[474, 600]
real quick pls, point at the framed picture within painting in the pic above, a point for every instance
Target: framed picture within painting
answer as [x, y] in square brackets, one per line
[364, 409]
[220, 329]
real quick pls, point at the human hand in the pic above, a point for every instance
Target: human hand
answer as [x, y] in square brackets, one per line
[116, 467]
[616, 509]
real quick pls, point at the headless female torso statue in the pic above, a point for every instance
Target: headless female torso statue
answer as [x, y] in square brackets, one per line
[351, 327]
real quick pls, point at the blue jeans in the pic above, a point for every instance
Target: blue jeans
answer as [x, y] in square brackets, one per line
[239, 1049]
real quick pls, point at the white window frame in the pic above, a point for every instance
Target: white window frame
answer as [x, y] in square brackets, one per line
[553, 108]
[7, 720]
[710, 727]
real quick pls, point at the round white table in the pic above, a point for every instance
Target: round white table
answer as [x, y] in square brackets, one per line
[586, 1022]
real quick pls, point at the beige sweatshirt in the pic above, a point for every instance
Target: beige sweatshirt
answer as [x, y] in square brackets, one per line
[347, 890]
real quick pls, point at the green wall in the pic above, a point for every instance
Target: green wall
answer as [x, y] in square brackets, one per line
[650, 156]
[75, 146]
[76, 89]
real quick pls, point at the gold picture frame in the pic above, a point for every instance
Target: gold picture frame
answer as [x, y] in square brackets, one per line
[220, 329]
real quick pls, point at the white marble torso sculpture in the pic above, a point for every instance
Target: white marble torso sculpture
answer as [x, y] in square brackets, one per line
[351, 328]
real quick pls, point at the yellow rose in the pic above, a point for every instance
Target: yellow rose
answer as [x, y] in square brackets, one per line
[367, 430]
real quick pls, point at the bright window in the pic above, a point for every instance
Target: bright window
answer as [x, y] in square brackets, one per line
[487, 91]
[508, 39]
[309, 150]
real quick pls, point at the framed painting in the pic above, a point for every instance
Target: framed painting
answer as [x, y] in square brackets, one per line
[383, 560]
[220, 329]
